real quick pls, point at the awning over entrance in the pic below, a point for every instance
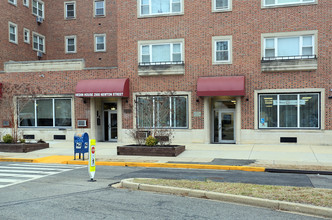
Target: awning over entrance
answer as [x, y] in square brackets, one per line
[221, 86]
[103, 88]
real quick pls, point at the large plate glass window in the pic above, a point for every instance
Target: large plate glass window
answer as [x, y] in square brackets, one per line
[155, 7]
[162, 112]
[52, 112]
[289, 110]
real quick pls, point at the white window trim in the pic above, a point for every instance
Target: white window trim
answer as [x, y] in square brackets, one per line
[287, 4]
[43, 16]
[16, 32]
[65, 10]
[25, 30]
[27, 3]
[214, 9]
[314, 33]
[287, 91]
[66, 44]
[158, 42]
[94, 8]
[95, 42]
[13, 3]
[139, 15]
[230, 51]
[39, 35]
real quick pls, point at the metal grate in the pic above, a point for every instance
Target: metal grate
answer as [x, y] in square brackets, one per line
[302, 57]
[160, 63]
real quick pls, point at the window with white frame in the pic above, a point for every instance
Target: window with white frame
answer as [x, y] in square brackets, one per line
[38, 42]
[38, 8]
[12, 32]
[70, 10]
[299, 110]
[26, 3]
[290, 47]
[99, 7]
[70, 44]
[162, 112]
[158, 7]
[286, 2]
[222, 5]
[161, 53]
[13, 2]
[100, 42]
[48, 112]
[222, 49]
[26, 36]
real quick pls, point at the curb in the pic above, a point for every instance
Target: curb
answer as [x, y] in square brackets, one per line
[270, 170]
[265, 203]
[171, 165]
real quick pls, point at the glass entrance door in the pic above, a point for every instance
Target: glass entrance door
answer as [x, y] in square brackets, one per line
[224, 126]
[111, 126]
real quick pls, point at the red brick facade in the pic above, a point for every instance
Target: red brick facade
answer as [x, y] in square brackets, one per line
[246, 22]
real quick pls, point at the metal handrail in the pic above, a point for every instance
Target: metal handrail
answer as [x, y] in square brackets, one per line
[299, 57]
[160, 63]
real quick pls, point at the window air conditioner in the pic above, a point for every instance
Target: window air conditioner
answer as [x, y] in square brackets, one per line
[39, 19]
[81, 123]
[39, 54]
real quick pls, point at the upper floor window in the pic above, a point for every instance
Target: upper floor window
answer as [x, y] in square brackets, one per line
[26, 3]
[222, 5]
[100, 42]
[38, 42]
[162, 53]
[12, 2]
[157, 7]
[26, 36]
[286, 2]
[99, 7]
[38, 8]
[70, 44]
[12, 32]
[70, 10]
[289, 47]
[222, 50]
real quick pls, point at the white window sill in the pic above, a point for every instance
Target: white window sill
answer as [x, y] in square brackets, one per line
[161, 15]
[288, 5]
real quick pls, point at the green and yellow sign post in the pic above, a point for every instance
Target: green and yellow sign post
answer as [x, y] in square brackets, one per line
[92, 159]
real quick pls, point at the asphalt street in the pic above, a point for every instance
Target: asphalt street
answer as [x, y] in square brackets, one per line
[69, 195]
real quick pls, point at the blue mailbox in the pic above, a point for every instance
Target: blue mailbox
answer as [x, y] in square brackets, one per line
[81, 145]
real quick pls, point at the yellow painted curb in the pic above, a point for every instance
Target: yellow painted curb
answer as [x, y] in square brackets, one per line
[22, 160]
[52, 159]
[66, 160]
[171, 165]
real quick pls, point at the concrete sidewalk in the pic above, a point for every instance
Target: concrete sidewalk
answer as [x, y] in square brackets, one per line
[271, 156]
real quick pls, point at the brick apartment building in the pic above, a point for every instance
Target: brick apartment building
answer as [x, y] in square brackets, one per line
[228, 71]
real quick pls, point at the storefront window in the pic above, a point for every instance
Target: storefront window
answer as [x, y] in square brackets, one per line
[289, 111]
[45, 113]
[162, 112]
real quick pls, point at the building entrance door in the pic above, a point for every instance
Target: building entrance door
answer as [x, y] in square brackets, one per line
[224, 126]
[111, 124]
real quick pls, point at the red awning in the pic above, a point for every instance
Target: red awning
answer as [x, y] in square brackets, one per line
[103, 88]
[221, 86]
